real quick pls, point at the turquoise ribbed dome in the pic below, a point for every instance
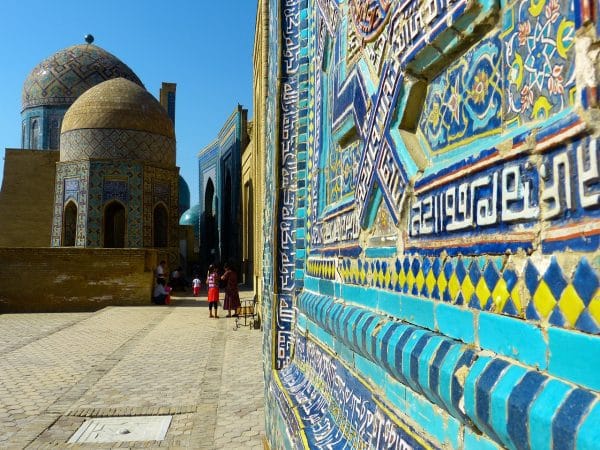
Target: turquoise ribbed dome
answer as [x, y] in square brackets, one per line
[191, 216]
[184, 195]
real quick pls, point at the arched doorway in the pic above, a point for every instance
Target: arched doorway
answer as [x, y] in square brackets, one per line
[69, 225]
[227, 225]
[114, 225]
[161, 226]
[35, 135]
[208, 227]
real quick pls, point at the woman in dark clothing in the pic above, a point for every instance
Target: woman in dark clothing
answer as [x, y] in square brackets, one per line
[232, 295]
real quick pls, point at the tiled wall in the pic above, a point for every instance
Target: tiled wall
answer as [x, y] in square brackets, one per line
[436, 231]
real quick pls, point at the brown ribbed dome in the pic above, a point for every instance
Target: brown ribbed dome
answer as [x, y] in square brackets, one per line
[118, 104]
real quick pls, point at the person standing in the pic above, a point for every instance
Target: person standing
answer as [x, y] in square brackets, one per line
[196, 285]
[212, 280]
[232, 295]
[160, 271]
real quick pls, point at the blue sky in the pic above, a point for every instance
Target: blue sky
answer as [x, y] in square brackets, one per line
[203, 46]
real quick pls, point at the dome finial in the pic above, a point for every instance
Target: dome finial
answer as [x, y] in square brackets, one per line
[89, 38]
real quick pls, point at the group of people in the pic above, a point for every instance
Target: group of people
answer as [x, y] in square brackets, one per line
[213, 280]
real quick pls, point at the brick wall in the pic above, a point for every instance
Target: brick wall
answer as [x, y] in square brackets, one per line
[74, 279]
[27, 197]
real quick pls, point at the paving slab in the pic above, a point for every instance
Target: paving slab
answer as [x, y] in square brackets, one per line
[58, 371]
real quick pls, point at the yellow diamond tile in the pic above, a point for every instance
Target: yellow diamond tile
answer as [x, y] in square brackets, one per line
[482, 292]
[500, 294]
[394, 278]
[410, 280]
[442, 283]
[453, 286]
[594, 307]
[402, 278]
[420, 280]
[571, 304]
[380, 277]
[516, 298]
[467, 289]
[430, 281]
[388, 277]
[543, 300]
[363, 275]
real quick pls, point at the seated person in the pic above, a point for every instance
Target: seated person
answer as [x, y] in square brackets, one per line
[160, 294]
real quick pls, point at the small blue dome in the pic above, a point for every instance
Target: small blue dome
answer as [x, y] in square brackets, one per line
[184, 195]
[191, 216]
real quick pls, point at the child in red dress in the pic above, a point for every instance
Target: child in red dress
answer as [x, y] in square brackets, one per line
[212, 280]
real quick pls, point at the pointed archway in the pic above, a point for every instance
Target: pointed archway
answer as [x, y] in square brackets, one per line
[115, 225]
[69, 230]
[160, 220]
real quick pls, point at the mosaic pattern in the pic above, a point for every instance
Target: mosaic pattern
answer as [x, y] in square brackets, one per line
[109, 181]
[516, 406]
[99, 143]
[67, 175]
[67, 74]
[570, 300]
[465, 102]
[160, 184]
[539, 75]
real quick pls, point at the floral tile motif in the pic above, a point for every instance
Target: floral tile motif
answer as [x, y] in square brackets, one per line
[538, 53]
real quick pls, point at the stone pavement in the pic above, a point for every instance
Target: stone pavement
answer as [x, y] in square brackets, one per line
[59, 370]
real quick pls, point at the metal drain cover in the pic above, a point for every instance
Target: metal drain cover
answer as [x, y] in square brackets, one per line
[121, 429]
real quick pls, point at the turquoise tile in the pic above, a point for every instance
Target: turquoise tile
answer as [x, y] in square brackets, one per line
[438, 424]
[395, 393]
[455, 322]
[446, 376]
[470, 387]
[575, 356]
[368, 370]
[389, 303]
[301, 323]
[542, 412]
[588, 436]
[425, 360]
[513, 338]
[311, 284]
[418, 311]
[406, 357]
[498, 401]
[474, 441]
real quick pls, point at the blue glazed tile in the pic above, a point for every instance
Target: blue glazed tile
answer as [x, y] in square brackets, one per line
[510, 308]
[470, 390]
[413, 344]
[460, 300]
[588, 435]
[434, 369]
[415, 357]
[568, 417]
[483, 391]
[380, 343]
[474, 273]
[542, 412]
[586, 323]
[455, 322]
[532, 277]
[585, 281]
[446, 375]
[418, 311]
[513, 338]
[461, 271]
[425, 360]
[575, 356]
[398, 354]
[511, 278]
[519, 402]
[531, 313]
[466, 360]
[498, 402]
[555, 279]
[557, 318]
